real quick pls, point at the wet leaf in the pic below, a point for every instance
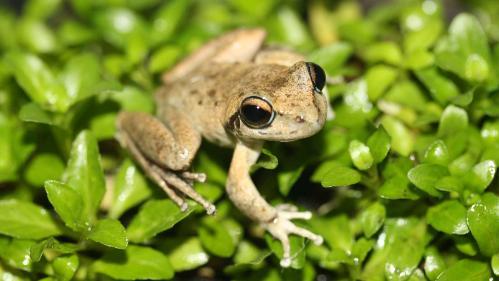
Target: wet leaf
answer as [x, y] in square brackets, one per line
[135, 263]
[372, 219]
[129, 190]
[154, 217]
[379, 144]
[465, 270]
[449, 217]
[425, 177]
[484, 225]
[187, 254]
[84, 173]
[26, 220]
[109, 232]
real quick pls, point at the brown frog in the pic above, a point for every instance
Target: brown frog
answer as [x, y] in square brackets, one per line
[234, 93]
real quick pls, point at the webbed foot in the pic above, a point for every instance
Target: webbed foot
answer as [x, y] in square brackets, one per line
[281, 227]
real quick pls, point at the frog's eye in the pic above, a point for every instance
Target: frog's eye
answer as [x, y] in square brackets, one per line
[317, 75]
[256, 112]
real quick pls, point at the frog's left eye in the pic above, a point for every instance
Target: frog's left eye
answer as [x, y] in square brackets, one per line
[256, 112]
[317, 75]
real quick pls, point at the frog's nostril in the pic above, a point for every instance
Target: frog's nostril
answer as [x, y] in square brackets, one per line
[299, 119]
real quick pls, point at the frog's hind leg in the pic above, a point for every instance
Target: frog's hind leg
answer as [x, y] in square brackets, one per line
[127, 143]
[164, 155]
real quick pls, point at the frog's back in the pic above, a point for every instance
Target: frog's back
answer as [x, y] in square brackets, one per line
[203, 95]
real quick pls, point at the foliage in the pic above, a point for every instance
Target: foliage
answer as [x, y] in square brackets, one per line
[402, 179]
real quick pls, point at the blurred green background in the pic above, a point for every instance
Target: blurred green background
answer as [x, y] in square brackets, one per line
[402, 182]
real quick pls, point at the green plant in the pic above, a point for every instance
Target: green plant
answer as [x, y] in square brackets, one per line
[403, 176]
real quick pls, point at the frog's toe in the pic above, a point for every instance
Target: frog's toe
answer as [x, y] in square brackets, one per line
[281, 227]
[296, 215]
[210, 209]
[191, 176]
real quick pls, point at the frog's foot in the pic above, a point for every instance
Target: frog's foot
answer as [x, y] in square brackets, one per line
[183, 183]
[281, 227]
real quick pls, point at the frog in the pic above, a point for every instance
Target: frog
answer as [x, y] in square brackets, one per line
[235, 92]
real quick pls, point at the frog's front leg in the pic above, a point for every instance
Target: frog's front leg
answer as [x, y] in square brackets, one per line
[164, 150]
[246, 197]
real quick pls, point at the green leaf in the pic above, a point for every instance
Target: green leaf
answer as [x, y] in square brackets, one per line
[360, 154]
[109, 24]
[397, 187]
[84, 173]
[408, 94]
[109, 232]
[340, 175]
[401, 136]
[14, 147]
[405, 243]
[268, 161]
[442, 89]
[465, 244]
[465, 52]
[434, 263]
[216, 238]
[186, 254]
[461, 165]
[419, 60]
[449, 184]
[336, 231]
[494, 263]
[297, 249]
[379, 144]
[378, 79]
[36, 251]
[425, 177]
[67, 203]
[372, 219]
[80, 76]
[65, 267]
[32, 112]
[332, 57]
[164, 58]
[396, 184]
[484, 225]
[36, 35]
[453, 120]
[422, 25]
[480, 177]
[16, 254]
[437, 153]
[26, 220]
[360, 250]
[42, 167]
[154, 217]
[38, 81]
[466, 270]
[135, 263]
[129, 190]
[167, 19]
[287, 177]
[247, 253]
[449, 217]
[490, 132]
[387, 52]
[41, 8]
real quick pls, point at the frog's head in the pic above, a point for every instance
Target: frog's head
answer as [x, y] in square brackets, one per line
[287, 104]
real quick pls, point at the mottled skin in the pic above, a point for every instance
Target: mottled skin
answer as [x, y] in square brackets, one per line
[201, 97]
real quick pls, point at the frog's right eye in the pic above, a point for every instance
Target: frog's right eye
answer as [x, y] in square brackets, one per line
[317, 75]
[256, 112]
